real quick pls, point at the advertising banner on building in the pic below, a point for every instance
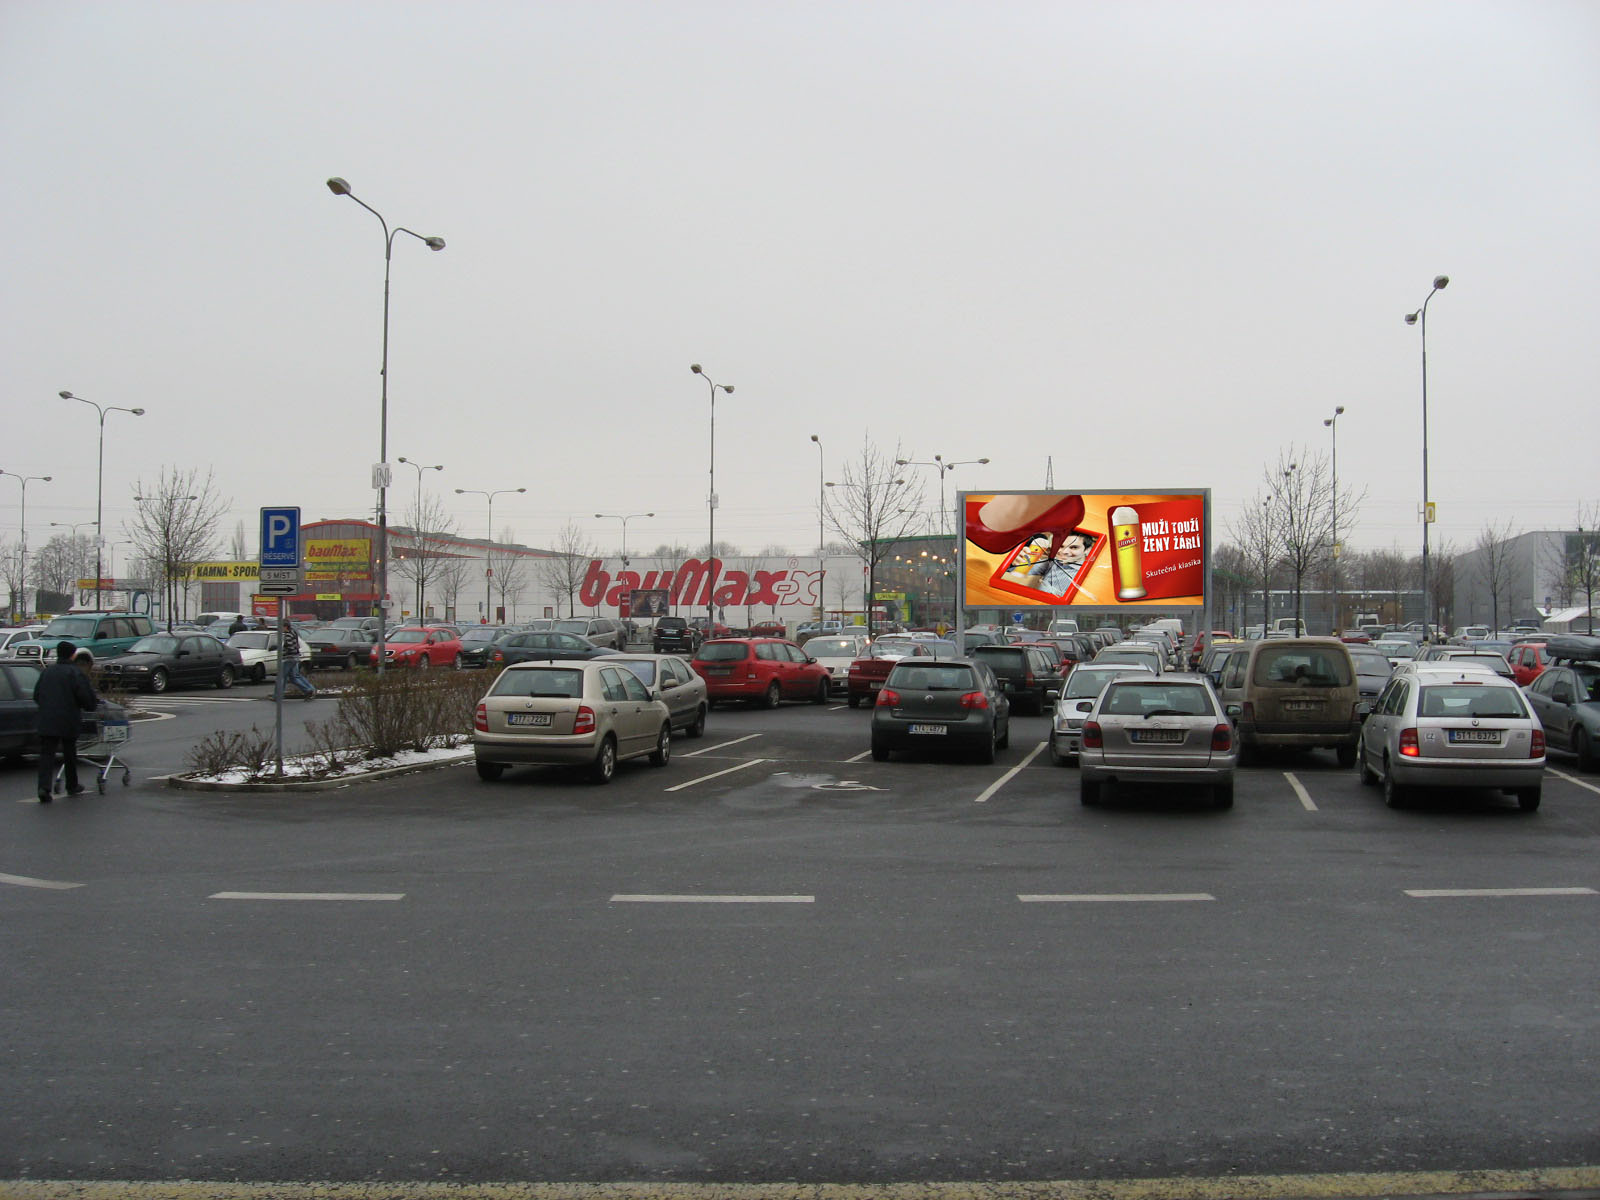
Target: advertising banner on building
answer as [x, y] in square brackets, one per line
[648, 603]
[226, 572]
[338, 554]
[1086, 549]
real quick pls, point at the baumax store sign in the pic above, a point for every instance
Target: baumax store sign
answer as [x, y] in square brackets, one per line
[697, 583]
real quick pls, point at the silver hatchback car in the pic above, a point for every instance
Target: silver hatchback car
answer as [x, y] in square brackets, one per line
[1168, 729]
[576, 712]
[1438, 725]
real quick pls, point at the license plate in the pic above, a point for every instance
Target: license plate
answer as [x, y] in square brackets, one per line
[527, 718]
[1302, 705]
[875, 684]
[1489, 736]
[1156, 735]
[718, 670]
[934, 729]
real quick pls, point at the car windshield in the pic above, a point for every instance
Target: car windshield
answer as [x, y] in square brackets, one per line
[159, 644]
[833, 647]
[1368, 663]
[250, 641]
[672, 623]
[540, 681]
[1140, 699]
[1083, 683]
[1395, 649]
[406, 635]
[1470, 700]
[1302, 666]
[1125, 653]
[722, 652]
[578, 627]
[941, 649]
[481, 634]
[70, 627]
[644, 668]
[931, 677]
[1008, 655]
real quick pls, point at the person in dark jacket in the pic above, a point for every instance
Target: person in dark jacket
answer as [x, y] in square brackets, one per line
[63, 691]
[238, 626]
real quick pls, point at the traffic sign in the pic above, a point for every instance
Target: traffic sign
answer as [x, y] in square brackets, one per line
[280, 537]
[279, 589]
[280, 575]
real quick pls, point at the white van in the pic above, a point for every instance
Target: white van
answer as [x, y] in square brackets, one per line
[1063, 625]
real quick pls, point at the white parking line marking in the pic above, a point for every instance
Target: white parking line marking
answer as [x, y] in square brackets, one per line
[858, 758]
[1118, 897]
[719, 746]
[1009, 775]
[26, 881]
[1572, 779]
[1433, 893]
[1305, 796]
[671, 899]
[307, 896]
[678, 787]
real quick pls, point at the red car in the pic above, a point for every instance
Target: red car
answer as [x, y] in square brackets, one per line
[420, 646]
[869, 671]
[1528, 661]
[762, 670]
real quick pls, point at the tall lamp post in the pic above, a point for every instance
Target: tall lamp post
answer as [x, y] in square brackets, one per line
[624, 518]
[711, 503]
[380, 473]
[22, 565]
[1332, 423]
[822, 560]
[944, 469]
[1420, 317]
[488, 571]
[100, 478]
[415, 533]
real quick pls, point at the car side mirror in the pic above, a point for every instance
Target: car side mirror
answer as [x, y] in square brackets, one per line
[1051, 694]
[1085, 705]
[1233, 711]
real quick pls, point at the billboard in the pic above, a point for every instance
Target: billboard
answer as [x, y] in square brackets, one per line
[1100, 550]
[647, 602]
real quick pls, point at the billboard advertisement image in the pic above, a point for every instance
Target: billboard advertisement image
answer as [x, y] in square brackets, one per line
[1086, 549]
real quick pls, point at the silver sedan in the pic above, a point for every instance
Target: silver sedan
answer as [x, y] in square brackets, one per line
[1165, 730]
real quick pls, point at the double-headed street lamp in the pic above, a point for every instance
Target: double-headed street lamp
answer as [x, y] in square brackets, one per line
[944, 469]
[100, 477]
[711, 501]
[416, 533]
[488, 571]
[1333, 424]
[381, 472]
[22, 566]
[1420, 317]
[624, 518]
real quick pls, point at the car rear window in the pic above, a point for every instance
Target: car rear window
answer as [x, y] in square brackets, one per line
[722, 652]
[1088, 683]
[1009, 656]
[831, 647]
[1149, 699]
[931, 677]
[1470, 700]
[1302, 666]
[644, 668]
[541, 681]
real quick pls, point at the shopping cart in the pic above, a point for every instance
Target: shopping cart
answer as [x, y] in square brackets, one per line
[101, 739]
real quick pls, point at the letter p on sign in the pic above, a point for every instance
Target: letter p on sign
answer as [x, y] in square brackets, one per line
[280, 537]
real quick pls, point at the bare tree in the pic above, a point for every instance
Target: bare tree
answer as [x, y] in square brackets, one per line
[1386, 571]
[510, 570]
[238, 545]
[1495, 562]
[671, 551]
[1256, 535]
[1441, 587]
[13, 573]
[1580, 560]
[175, 527]
[420, 557]
[873, 508]
[562, 573]
[1302, 494]
[62, 561]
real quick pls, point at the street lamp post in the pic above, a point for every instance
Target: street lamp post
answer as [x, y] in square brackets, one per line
[1420, 317]
[22, 566]
[944, 469]
[488, 571]
[822, 560]
[381, 472]
[624, 518]
[415, 533]
[1333, 424]
[711, 504]
[100, 477]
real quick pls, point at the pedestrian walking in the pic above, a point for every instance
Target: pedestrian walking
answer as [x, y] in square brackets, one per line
[62, 693]
[292, 672]
[238, 626]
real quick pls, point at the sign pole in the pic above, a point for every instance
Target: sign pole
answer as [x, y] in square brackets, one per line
[278, 697]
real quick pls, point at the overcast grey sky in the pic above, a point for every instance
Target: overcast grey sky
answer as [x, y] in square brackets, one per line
[1146, 243]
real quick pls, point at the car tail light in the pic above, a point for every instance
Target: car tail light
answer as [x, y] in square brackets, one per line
[1536, 750]
[1408, 743]
[1027, 679]
[887, 698]
[975, 700]
[584, 721]
[1247, 712]
[1091, 735]
[480, 720]
[498, 656]
[1222, 737]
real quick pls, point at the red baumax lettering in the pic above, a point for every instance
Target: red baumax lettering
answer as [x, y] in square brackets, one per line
[698, 582]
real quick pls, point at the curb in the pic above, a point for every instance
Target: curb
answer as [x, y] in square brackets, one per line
[188, 783]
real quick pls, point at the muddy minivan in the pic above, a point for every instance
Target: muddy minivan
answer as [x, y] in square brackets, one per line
[1299, 692]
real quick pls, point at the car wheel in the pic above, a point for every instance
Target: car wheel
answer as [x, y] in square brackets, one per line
[853, 700]
[1587, 761]
[1089, 791]
[422, 662]
[1394, 795]
[225, 676]
[880, 751]
[605, 761]
[1347, 756]
[158, 680]
[697, 727]
[1004, 739]
[822, 692]
[351, 662]
[258, 673]
[774, 694]
[663, 751]
[456, 662]
[1368, 776]
[1055, 754]
[985, 752]
[1528, 799]
[1222, 794]
[489, 772]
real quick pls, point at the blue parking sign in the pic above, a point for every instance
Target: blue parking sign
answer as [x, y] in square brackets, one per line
[280, 537]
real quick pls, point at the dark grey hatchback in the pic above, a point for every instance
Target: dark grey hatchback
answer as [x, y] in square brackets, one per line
[941, 704]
